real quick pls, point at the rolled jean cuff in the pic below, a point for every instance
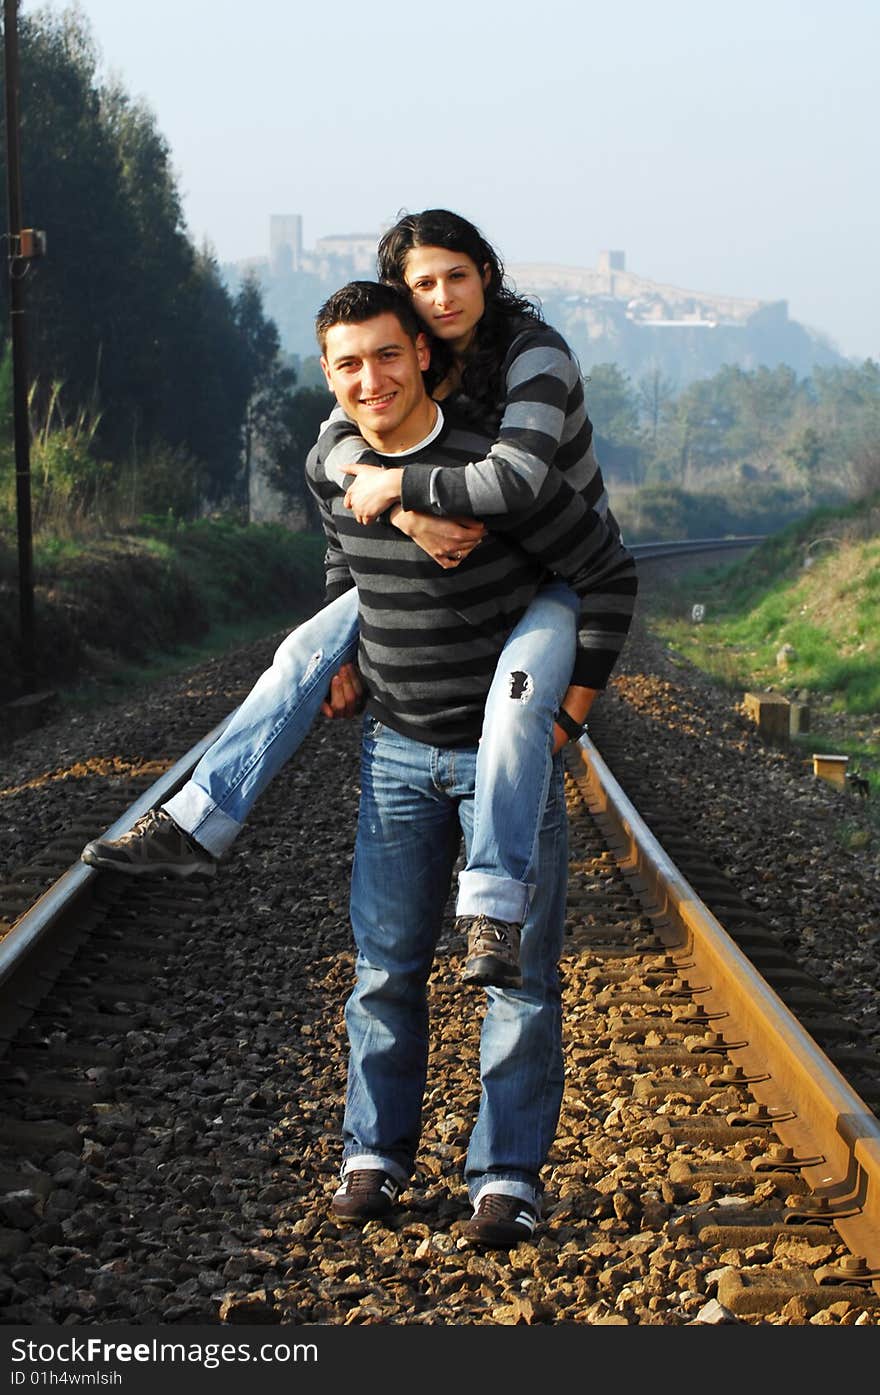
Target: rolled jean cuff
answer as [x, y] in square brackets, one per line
[503, 1186]
[502, 898]
[374, 1162]
[197, 814]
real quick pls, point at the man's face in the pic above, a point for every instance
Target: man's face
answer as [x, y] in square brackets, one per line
[375, 370]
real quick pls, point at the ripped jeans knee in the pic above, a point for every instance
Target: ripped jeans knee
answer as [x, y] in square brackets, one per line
[520, 707]
[520, 686]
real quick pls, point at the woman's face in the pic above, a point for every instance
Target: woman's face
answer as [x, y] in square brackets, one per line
[447, 293]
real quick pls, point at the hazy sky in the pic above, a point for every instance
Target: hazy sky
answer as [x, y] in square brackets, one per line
[724, 148]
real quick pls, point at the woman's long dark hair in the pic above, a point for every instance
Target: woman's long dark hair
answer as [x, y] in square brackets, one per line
[505, 310]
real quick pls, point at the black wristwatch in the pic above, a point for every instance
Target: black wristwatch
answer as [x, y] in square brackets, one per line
[573, 730]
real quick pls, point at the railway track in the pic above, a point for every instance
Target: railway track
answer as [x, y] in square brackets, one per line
[170, 1092]
[169, 1133]
[696, 547]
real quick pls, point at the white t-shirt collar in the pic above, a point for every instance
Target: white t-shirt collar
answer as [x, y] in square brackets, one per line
[425, 441]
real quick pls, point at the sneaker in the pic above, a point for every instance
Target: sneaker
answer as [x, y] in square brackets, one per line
[493, 951]
[153, 845]
[365, 1192]
[501, 1220]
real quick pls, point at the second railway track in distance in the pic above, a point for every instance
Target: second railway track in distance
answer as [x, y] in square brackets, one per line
[170, 1106]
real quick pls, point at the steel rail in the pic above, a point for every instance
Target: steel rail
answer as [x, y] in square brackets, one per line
[47, 914]
[659, 548]
[820, 1116]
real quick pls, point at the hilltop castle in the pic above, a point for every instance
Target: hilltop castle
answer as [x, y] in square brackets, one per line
[607, 314]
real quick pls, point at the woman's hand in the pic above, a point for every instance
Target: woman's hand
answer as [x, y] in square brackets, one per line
[577, 703]
[374, 490]
[446, 540]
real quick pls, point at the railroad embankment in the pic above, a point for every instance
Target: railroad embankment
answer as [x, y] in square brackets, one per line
[157, 595]
[799, 617]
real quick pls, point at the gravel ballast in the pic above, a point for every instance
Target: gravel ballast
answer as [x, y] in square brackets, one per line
[201, 1186]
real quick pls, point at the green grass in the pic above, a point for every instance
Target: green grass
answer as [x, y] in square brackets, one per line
[236, 566]
[114, 610]
[828, 611]
[114, 683]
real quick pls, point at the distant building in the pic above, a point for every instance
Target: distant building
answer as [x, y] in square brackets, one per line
[607, 265]
[285, 243]
[612, 261]
[647, 302]
[353, 254]
[338, 257]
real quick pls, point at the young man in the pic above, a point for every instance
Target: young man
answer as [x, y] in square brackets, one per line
[429, 643]
[193, 829]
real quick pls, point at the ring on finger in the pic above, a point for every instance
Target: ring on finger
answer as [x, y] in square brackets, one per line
[456, 556]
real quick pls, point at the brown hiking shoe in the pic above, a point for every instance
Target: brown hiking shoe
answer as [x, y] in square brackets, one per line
[493, 951]
[501, 1220]
[365, 1192]
[154, 846]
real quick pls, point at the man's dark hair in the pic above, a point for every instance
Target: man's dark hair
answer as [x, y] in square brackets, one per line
[364, 300]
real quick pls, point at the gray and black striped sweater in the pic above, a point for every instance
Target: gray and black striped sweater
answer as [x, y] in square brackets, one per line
[543, 426]
[541, 430]
[430, 638]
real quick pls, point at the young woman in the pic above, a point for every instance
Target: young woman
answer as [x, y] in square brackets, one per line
[500, 364]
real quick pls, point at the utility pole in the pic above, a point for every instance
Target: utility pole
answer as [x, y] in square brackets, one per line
[22, 245]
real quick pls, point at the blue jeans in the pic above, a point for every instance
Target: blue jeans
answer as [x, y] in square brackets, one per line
[514, 758]
[268, 728]
[416, 801]
[513, 768]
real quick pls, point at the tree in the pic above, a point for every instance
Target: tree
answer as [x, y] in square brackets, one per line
[124, 312]
[302, 413]
[655, 393]
[213, 380]
[163, 270]
[613, 408]
[270, 417]
[612, 403]
[804, 455]
[70, 188]
[261, 345]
